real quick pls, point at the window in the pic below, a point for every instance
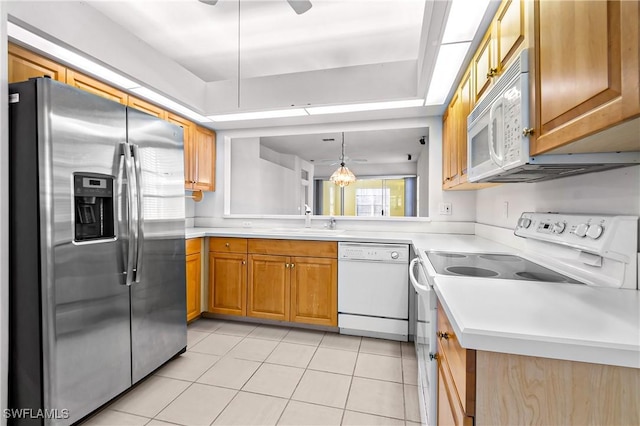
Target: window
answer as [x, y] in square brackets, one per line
[367, 197]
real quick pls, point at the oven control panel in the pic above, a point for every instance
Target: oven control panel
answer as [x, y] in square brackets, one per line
[592, 233]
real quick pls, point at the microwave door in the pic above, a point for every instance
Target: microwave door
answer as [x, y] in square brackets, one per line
[516, 118]
[480, 147]
[496, 132]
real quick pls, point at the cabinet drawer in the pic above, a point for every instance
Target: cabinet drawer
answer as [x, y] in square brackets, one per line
[193, 245]
[461, 363]
[450, 411]
[327, 249]
[228, 245]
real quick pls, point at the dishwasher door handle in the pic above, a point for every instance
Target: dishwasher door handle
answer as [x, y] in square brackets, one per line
[414, 281]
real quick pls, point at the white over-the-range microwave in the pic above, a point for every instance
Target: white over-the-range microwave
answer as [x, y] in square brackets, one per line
[498, 138]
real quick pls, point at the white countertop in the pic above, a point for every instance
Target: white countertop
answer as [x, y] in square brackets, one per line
[551, 320]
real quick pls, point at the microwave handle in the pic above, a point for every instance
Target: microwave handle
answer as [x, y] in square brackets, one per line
[493, 148]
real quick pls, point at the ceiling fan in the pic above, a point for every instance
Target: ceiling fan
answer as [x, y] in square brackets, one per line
[344, 159]
[299, 6]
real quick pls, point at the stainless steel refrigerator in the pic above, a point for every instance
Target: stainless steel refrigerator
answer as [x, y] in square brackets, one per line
[97, 260]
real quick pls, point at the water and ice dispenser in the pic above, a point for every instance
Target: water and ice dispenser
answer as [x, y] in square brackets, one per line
[93, 206]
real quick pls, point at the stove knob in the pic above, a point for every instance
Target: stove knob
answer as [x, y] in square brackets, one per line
[395, 255]
[595, 231]
[581, 230]
[524, 222]
[558, 227]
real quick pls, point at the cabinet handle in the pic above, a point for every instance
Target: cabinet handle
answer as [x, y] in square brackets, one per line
[492, 72]
[433, 356]
[244, 262]
[443, 335]
[527, 131]
[293, 265]
[286, 265]
[226, 244]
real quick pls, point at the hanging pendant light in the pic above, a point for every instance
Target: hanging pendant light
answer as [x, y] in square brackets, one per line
[342, 176]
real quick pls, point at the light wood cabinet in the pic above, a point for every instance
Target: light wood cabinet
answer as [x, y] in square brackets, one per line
[202, 153]
[193, 274]
[147, 107]
[269, 287]
[293, 281]
[314, 290]
[450, 412]
[91, 85]
[483, 65]
[228, 276]
[509, 32]
[586, 76]
[188, 129]
[24, 64]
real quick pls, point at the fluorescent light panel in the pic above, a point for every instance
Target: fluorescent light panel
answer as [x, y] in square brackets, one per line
[371, 106]
[281, 113]
[166, 102]
[101, 72]
[68, 56]
[464, 19]
[448, 63]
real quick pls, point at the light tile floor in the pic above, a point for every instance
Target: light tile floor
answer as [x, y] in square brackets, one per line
[246, 374]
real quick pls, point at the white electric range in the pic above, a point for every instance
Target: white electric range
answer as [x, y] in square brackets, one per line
[559, 249]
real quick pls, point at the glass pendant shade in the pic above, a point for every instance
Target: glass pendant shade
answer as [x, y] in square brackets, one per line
[342, 176]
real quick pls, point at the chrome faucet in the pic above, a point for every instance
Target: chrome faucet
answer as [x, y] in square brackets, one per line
[332, 223]
[307, 216]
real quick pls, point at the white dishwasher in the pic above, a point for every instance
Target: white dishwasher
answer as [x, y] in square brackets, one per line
[373, 290]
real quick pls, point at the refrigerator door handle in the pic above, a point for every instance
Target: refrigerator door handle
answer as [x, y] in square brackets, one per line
[140, 211]
[132, 213]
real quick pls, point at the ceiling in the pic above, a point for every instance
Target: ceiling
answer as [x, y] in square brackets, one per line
[376, 146]
[273, 39]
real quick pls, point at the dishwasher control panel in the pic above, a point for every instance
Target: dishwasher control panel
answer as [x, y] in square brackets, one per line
[374, 252]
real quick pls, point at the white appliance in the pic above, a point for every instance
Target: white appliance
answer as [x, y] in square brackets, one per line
[498, 138]
[373, 290]
[425, 341]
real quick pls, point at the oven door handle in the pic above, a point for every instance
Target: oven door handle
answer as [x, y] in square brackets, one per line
[414, 281]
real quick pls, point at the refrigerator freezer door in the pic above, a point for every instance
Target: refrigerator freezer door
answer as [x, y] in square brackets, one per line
[158, 301]
[85, 318]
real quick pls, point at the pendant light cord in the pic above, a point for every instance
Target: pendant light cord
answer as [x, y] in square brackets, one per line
[238, 54]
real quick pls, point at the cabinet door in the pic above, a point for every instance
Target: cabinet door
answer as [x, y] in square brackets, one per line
[23, 65]
[587, 71]
[510, 24]
[96, 87]
[147, 107]
[449, 409]
[314, 291]
[464, 108]
[205, 159]
[269, 287]
[447, 147]
[228, 283]
[187, 128]
[483, 68]
[193, 269]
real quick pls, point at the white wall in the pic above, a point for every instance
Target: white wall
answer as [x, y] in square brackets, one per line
[4, 215]
[614, 192]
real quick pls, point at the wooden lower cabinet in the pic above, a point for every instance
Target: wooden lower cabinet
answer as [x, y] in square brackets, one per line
[228, 283]
[450, 410]
[314, 290]
[269, 287]
[193, 282]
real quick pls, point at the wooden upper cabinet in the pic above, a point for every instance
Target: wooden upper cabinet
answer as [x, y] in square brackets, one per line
[91, 85]
[483, 66]
[451, 137]
[203, 157]
[147, 107]
[465, 105]
[188, 133]
[24, 64]
[269, 293]
[509, 31]
[586, 76]
[314, 291]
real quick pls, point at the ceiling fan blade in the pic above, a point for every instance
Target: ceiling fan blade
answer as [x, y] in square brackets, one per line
[326, 162]
[209, 2]
[299, 6]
